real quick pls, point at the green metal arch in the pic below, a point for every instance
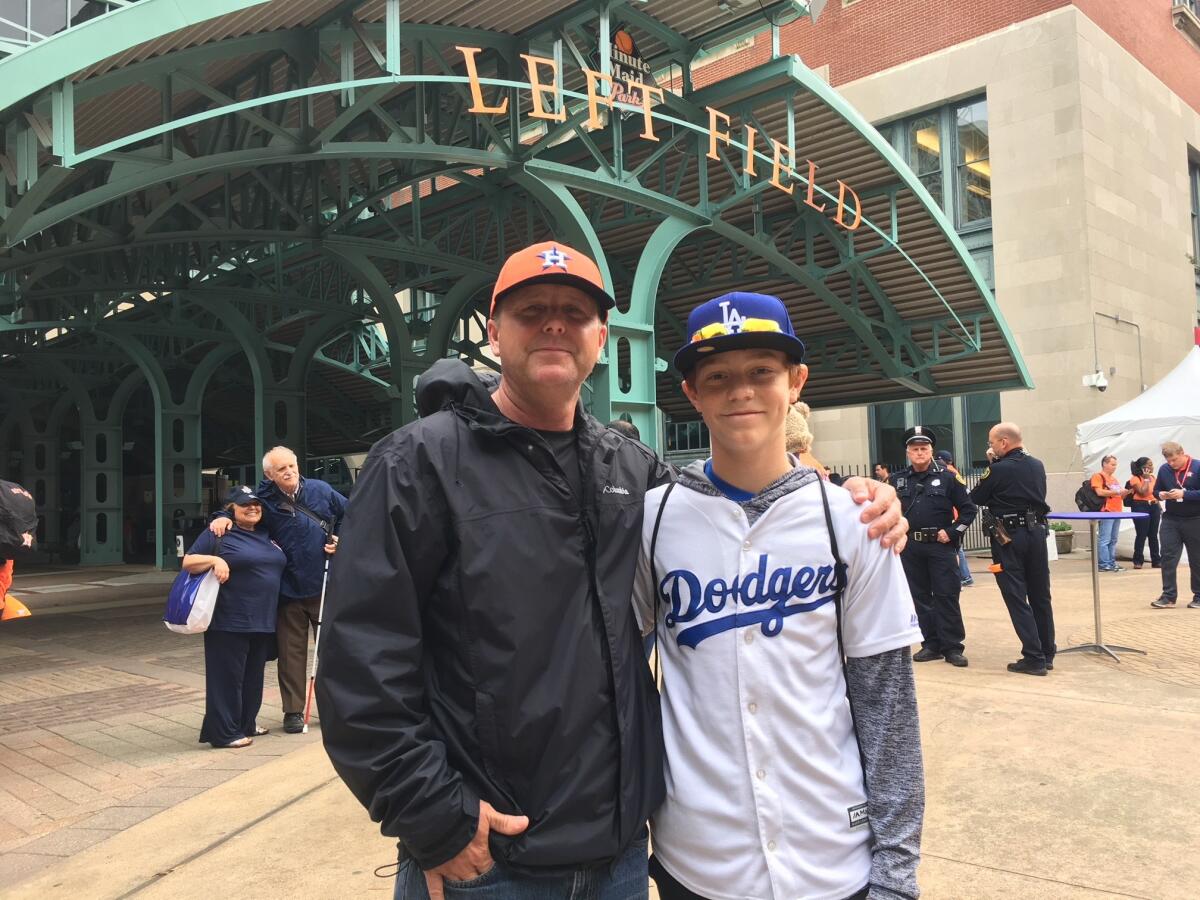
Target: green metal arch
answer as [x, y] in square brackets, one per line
[62, 55]
[905, 175]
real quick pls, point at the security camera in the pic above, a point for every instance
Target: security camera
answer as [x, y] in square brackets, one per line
[1096, 380]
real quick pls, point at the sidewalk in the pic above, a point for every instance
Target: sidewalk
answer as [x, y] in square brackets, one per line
[1079, 785]
[100, 710]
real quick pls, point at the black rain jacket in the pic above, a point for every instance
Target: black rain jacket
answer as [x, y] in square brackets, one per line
[478, 639]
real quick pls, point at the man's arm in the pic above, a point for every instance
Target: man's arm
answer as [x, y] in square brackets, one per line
[982, 492]
[1160, 482]
[1193, 493]
[967, 510]
[888, 525]
[371, 687]
[337, 505]
[884, 699]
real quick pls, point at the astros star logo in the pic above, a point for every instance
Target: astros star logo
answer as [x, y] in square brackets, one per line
[554, 257]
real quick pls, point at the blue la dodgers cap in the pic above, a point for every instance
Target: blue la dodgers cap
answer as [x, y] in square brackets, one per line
[738, 321]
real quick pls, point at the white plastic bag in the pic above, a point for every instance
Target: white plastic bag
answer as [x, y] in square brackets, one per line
[191, 602]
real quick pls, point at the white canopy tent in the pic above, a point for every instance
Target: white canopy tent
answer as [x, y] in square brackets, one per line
[1168, 411]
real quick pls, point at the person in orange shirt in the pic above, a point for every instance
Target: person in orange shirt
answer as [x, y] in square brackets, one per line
[1105, 484]
[1141, 483]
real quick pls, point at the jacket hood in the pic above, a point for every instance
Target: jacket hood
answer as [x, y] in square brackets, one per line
[451, 382]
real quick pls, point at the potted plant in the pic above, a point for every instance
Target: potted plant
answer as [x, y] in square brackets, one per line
[1064, 536]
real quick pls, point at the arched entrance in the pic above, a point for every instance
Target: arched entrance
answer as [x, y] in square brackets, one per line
[324, 191]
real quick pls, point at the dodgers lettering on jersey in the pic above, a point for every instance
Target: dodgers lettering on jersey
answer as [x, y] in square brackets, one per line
[682, 590]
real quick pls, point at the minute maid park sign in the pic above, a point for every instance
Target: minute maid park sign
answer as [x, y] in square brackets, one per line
[602, 93]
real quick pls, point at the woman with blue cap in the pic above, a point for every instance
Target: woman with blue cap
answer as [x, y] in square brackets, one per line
[241, 637]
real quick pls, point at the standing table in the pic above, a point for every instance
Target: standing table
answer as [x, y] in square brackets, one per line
[1092, 518]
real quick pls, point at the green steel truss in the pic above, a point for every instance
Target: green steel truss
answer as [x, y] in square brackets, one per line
[321, 200]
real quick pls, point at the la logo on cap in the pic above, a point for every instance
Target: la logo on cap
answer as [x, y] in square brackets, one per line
[554, 257]
[733, 319]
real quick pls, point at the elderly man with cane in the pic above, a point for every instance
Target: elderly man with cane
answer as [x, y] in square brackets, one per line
[301, 515]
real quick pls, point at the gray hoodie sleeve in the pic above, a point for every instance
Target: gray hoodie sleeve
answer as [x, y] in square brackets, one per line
[884, 698]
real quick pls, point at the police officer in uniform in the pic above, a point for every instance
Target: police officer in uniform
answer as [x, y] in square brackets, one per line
[1014, 490]
[929, 495]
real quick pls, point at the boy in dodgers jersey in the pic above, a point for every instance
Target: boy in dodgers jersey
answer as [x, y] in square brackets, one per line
[768, 795]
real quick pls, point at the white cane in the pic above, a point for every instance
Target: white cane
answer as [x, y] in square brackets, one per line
[312, 671]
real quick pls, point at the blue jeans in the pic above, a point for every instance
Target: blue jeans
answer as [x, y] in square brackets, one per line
[1106, 542]
[627, 879]
[1147, 529]
[964, 571]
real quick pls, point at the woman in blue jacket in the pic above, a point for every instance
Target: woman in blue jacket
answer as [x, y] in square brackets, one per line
[241, 636]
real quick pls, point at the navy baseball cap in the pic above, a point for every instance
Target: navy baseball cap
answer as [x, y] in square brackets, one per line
[944, 456]
[242, 496]
[738, 321]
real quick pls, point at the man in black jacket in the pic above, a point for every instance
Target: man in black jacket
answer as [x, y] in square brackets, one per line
[1013, 488]
[483, 689]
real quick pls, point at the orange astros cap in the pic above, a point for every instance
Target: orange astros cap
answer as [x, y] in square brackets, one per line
[554, 263]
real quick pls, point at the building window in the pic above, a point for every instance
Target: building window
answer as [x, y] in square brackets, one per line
[28, 21]
[982, 412]
[925, 154]
[1194, 178]
[887, 434]
[960, 425]
[687, 436]
[973, 184]
[954, 137]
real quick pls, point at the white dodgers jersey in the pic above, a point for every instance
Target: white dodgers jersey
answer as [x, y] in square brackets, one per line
[765, 793]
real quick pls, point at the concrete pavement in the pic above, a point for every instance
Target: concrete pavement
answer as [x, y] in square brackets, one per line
[1082, 784]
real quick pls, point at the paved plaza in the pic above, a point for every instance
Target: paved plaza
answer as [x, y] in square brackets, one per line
[1073, 786]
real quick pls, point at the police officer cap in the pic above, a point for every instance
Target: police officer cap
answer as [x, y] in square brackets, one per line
[919, 435]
